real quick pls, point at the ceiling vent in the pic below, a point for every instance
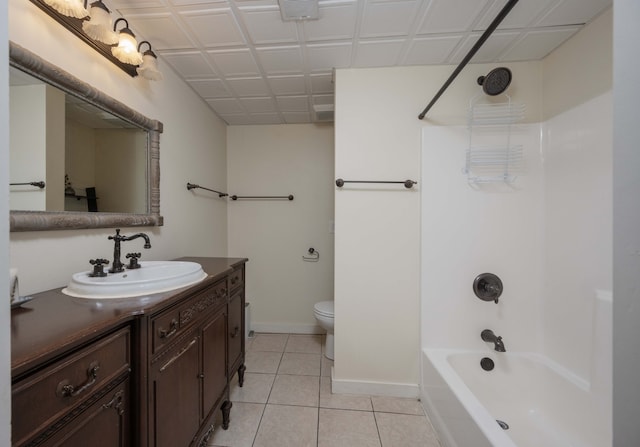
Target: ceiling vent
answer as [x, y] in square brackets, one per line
[298, 9]
[323, 112]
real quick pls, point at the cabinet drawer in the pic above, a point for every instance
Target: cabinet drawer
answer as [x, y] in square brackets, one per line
[48, 395]
[236, 330]
[236, 278]
[168, 325]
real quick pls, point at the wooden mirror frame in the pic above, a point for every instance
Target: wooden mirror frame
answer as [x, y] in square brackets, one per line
[37, 67]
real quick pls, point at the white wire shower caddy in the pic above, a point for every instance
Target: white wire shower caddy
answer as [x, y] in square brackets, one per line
[491, 157]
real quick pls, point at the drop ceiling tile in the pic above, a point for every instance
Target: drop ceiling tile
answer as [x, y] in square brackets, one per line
[296, 117]
[247, 87]
[431, 50]
[336, 22]
[386, 19]
[210, 88]
[265, 26]
[281, 60]
[520, 16]
[189, 64]
[537, 44]
[114, 5]
[287, 85]
[378, 53]
[225, 106]
[493, 47]
[214, 28]
[573, 12]
[323, 99]
[322, 83]
[325, 57]
[259, 105]
[238, 63]
[265, 118]
[237, 119]
[451, 16]
[196, 2]
[293, 103]
[161, 30]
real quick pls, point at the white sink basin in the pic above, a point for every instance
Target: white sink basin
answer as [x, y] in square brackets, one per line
[151, 277]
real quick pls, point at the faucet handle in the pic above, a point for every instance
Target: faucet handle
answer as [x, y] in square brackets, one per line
[98, 267]
[133, 260]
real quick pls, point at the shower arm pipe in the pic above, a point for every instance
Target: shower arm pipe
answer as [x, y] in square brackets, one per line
[191, 186]
[40, 184]
[407, 183]
[492, 27]
[289, 197]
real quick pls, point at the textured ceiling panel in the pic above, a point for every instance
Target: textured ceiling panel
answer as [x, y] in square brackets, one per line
[253, 68]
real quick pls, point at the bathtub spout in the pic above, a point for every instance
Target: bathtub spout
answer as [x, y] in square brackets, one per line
[488, 335]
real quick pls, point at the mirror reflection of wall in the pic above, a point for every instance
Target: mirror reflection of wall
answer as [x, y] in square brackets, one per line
[89, 159]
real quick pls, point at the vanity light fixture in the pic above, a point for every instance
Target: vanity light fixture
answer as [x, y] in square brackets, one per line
[69, 8]
[98, 27]
[149, 67]
[127, 49]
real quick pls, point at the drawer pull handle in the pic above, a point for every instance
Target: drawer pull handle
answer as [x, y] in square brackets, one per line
[65, 389]
[235, 332]
[173, 328]
[178, 355]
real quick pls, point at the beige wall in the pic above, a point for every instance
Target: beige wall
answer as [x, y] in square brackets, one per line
[281, 160]
[192, 148]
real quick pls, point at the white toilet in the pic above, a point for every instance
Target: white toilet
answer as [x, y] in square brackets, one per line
[323, 312]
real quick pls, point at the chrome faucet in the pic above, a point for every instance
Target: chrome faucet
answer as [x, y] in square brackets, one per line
[117, 266]
[488, 335]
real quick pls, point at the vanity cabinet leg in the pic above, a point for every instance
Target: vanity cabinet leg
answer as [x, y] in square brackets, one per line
[226, 410]
[241, 371]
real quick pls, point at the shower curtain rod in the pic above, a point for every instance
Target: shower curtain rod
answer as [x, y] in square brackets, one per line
[39, 184]
[501, 15]
[407, 183]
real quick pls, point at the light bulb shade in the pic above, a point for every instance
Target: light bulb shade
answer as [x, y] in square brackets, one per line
[70, 8]
[149, 67]
[127, 49]
[98, 27]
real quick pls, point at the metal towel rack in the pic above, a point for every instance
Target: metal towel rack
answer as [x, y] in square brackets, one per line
[40, 184]
[289, 197]
[407, 183]
[501, 15]
[191, 186]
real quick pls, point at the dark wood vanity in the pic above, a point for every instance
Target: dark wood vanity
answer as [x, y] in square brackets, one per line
[144, 371]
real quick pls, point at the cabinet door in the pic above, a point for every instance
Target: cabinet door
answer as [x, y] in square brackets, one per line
[175, 391]
[214, 374]
[103, 424]
[236, 330]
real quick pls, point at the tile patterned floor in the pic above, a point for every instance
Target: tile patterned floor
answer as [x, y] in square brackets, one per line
[286, 401]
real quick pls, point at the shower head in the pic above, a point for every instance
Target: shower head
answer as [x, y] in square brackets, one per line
[496, 81]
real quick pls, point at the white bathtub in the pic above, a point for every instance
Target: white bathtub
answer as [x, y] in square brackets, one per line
[541, 403]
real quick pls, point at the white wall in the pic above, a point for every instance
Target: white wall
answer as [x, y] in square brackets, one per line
[281, 160]
[377, 273]
[192, 149]
[5, 311]
[626, 214]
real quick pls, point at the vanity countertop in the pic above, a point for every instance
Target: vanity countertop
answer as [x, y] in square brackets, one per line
[53, 322]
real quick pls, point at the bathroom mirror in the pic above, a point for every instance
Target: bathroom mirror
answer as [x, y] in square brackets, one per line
[136, 172]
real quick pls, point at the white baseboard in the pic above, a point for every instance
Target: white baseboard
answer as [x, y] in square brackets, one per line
[341, 386]
[286, 328]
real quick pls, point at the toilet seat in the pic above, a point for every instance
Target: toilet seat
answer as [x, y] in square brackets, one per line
[324, 308]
